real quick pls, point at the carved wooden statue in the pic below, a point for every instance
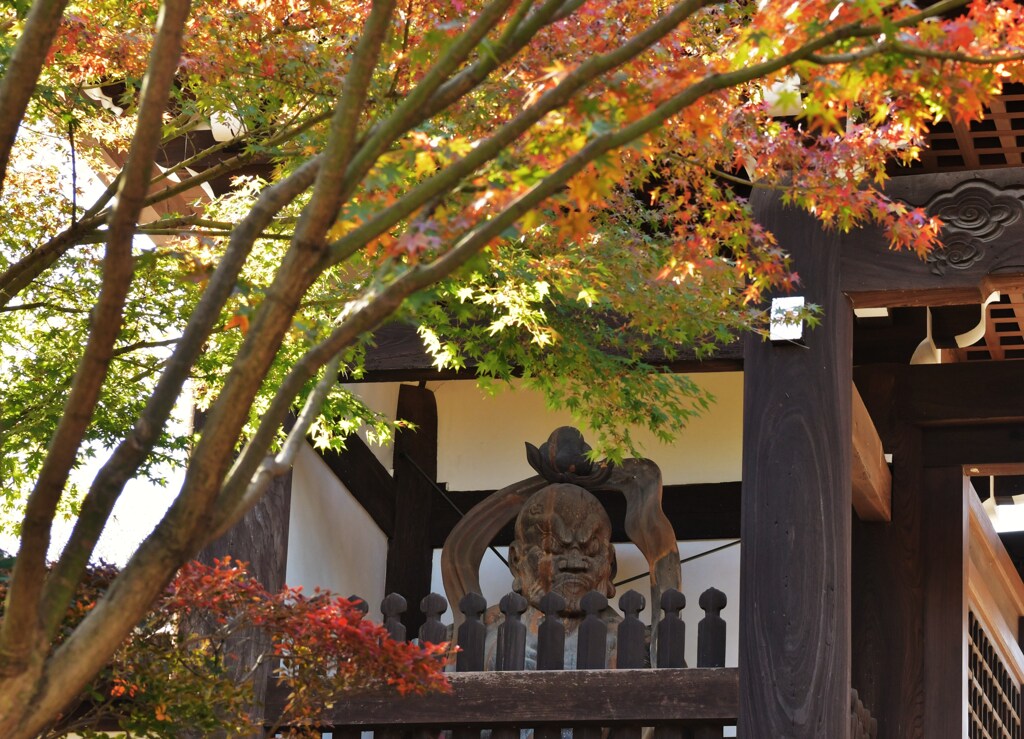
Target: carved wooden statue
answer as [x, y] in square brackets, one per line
[562, 532]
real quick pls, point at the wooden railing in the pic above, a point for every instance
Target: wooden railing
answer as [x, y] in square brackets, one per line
[679, 702]
[995, 661]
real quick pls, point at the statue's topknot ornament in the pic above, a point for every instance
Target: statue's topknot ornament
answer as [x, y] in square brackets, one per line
[565, 457]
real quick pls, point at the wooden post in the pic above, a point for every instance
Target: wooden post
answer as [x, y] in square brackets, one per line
[409, 550]
[794, 647]
[888, 599]
[944, 550]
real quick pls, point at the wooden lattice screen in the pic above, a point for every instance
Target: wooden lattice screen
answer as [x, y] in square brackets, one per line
[995, 699]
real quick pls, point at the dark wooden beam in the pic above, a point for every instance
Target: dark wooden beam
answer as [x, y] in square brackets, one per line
[697, 511]
[398, 356]
[974, 445]
[976, 257]
[409, 550]
[961, 393]
[888, 601]
[365, 477]
[689, 696]
[794, 656]
[261, 540]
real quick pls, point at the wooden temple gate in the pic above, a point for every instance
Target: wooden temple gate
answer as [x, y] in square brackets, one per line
[883, 608]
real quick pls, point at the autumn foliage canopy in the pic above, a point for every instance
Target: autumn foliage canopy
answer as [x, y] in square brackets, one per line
[548, 189]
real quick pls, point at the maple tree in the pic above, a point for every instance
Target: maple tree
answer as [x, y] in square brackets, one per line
[545, 186]
[185, 666]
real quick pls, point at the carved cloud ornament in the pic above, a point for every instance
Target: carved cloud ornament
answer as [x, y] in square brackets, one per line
[978, 209]
[957, 252]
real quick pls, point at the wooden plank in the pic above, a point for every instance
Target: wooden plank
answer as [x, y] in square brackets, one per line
[794, 654]
[872, 481]
[591, 697]
[993, 470]
[365, 477]
[888, 601]
[697, 511]
[945, 527]
[409, 551]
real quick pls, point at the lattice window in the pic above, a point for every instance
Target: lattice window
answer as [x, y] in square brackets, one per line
[995, 141]
[994, 709]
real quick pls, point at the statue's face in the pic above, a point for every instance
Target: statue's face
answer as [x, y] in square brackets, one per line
[562, 543]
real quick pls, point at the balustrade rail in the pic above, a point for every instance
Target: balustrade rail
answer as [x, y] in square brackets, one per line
[533, 686]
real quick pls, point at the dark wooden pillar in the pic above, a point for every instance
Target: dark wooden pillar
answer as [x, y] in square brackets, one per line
[888, 599]
[261, 539]
[794, 652]
[944, 548]
[409, 549]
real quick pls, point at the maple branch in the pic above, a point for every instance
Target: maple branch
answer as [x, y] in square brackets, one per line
[513, 40]
[135, 346]
[22, 71]
[423, 193]
[174, 538]
[129, 454]
[955, 56]
[22, 273]
[22, 619]
[279, 464]
[228, 164]
[488, 149]
[330, 183]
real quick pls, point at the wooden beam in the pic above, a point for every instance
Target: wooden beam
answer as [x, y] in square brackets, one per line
[994, 470]
[365, 477]
[961, 393]
[697, 511]
[261, 539]
[410, 556]
[957, 273]
[397, 355]
[888, 601]
[794, 654]
[974, 445]
[690, 696]
[872, 481]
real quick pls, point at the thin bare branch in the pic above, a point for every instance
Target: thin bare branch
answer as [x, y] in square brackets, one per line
[282, 462]
[21, 621]
[129, 454]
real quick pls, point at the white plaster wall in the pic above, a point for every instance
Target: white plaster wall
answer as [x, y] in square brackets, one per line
[380, 397]
[332, 542]
[480, 437]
